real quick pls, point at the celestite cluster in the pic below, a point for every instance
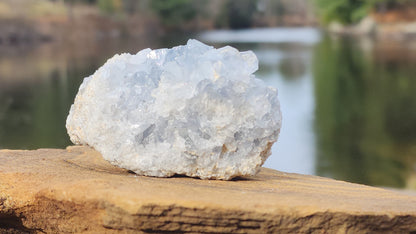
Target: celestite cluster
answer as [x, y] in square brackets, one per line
[192, 110]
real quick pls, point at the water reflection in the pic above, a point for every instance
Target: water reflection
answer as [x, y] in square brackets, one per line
[349, 109]
[295, 149]
[365, 112]
[292, 67]
[34, 102]
[38, 85]
[304, 35]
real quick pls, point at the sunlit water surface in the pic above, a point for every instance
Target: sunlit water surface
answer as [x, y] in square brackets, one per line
[349, 109]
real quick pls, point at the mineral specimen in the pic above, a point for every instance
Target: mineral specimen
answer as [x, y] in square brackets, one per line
[192, 110]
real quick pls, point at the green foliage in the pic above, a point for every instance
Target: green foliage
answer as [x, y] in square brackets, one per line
[343, 11]
[351, 11]
[173, 13]
[109, 6]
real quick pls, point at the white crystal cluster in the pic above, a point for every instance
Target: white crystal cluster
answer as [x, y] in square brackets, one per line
[192, 110]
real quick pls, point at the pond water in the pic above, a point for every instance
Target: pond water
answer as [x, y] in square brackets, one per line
[349, 109]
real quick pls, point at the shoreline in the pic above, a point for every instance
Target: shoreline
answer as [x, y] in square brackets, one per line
[370, 27]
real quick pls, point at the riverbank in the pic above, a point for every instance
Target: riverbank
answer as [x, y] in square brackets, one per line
[393, 24]
[75, 190]
[30, 23]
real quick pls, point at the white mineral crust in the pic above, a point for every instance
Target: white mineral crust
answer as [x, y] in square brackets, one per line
[192, 110]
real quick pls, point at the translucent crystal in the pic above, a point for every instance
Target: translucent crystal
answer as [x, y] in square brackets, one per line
[192, 110]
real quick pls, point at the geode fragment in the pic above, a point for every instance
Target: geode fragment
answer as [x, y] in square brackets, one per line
[192, 110]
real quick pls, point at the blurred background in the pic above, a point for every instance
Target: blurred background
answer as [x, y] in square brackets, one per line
[345, 71]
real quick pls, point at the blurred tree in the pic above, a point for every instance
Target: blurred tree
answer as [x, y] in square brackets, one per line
[110, 6]
[351, 11]
[343, 11]
[174, 13]
[87, 1]
[237, 14]
[130, 6]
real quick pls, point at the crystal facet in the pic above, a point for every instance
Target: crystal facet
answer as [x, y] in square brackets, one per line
[192, 110]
